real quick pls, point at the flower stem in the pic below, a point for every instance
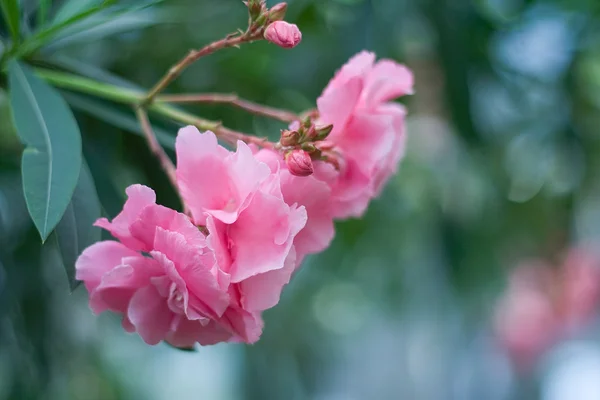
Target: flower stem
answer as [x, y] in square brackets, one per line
[229, 41]
[133, 97]
[234, 100]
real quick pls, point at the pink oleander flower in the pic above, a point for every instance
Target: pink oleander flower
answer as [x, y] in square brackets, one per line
[299, 163]
[525, 320]
[543, 304]
[163, 277]
[283, 34]
[368, 129]
[314, 195]
[252, 228]
[581, 286]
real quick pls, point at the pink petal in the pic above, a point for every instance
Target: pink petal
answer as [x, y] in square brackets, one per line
[262, 291]
[194, 273]
[155, 216]
[99, 259]
[245, 325]
[337, 106]
[139, 197]
[188, 333]
[386, 81]
[358, 66]
[262, 236]
[201, 174]
[118, 285]
[315, 196]
[149, 313]
[219, 243]
[367, 139]
[214, 180]
[389, 164]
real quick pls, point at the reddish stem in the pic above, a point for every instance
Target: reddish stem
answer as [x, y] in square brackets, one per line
[233, 99]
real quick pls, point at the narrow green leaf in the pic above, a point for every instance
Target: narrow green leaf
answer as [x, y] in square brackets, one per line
[116, 117]
[107, 23]
[44, 36]
[72, 8]
[10, 9]
[75, 231]
[42, 13]
[52, 158]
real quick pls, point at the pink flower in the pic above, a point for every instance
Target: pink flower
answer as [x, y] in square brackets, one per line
[314, 195]
[368, 129]
[525, 320]
[544, 304]
[283, 34]
[581, 286]
[299, 163]
[239, 200]
[162, 277]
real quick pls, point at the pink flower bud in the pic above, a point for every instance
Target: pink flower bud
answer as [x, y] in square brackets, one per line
[289, 138]
[277, 12]
[283, 34]
[299, 163]
[323, 131]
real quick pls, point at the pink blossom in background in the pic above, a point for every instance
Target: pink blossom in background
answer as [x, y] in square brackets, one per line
[311, 193]
[283, 34]
[581, 287]
[525, 320]
[162, 277]
[543, 304]
[368, 129]
[239, 199]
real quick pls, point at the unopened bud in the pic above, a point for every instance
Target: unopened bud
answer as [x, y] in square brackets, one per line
[283, 34]
[289, 138]
[299, 163]
[309, 147]
[255, 8]
[277, 12]
[311, 133]
[323, 131]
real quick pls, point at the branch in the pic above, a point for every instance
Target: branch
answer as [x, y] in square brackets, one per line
[234, 100]
[194, 55]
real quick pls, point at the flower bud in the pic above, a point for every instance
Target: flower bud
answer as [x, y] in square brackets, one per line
[255, 8]
[323, 131]
[311, 133]
[283, 34]
[299, 163]
[277, 12]
[289, 138]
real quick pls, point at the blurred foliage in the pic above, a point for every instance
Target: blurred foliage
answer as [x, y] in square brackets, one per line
[502, 164]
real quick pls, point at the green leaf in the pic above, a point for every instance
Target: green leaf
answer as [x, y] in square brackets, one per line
[110, 22]
[10, 9]
[45, 35]
[73, 8]
[75, 231]
[116, 117]
[42, 13]
[52, 158]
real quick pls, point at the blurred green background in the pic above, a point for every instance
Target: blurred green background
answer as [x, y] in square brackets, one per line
[502, 164]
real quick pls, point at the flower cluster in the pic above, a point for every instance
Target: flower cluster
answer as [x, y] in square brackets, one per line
[544, 304]
[254, 215]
